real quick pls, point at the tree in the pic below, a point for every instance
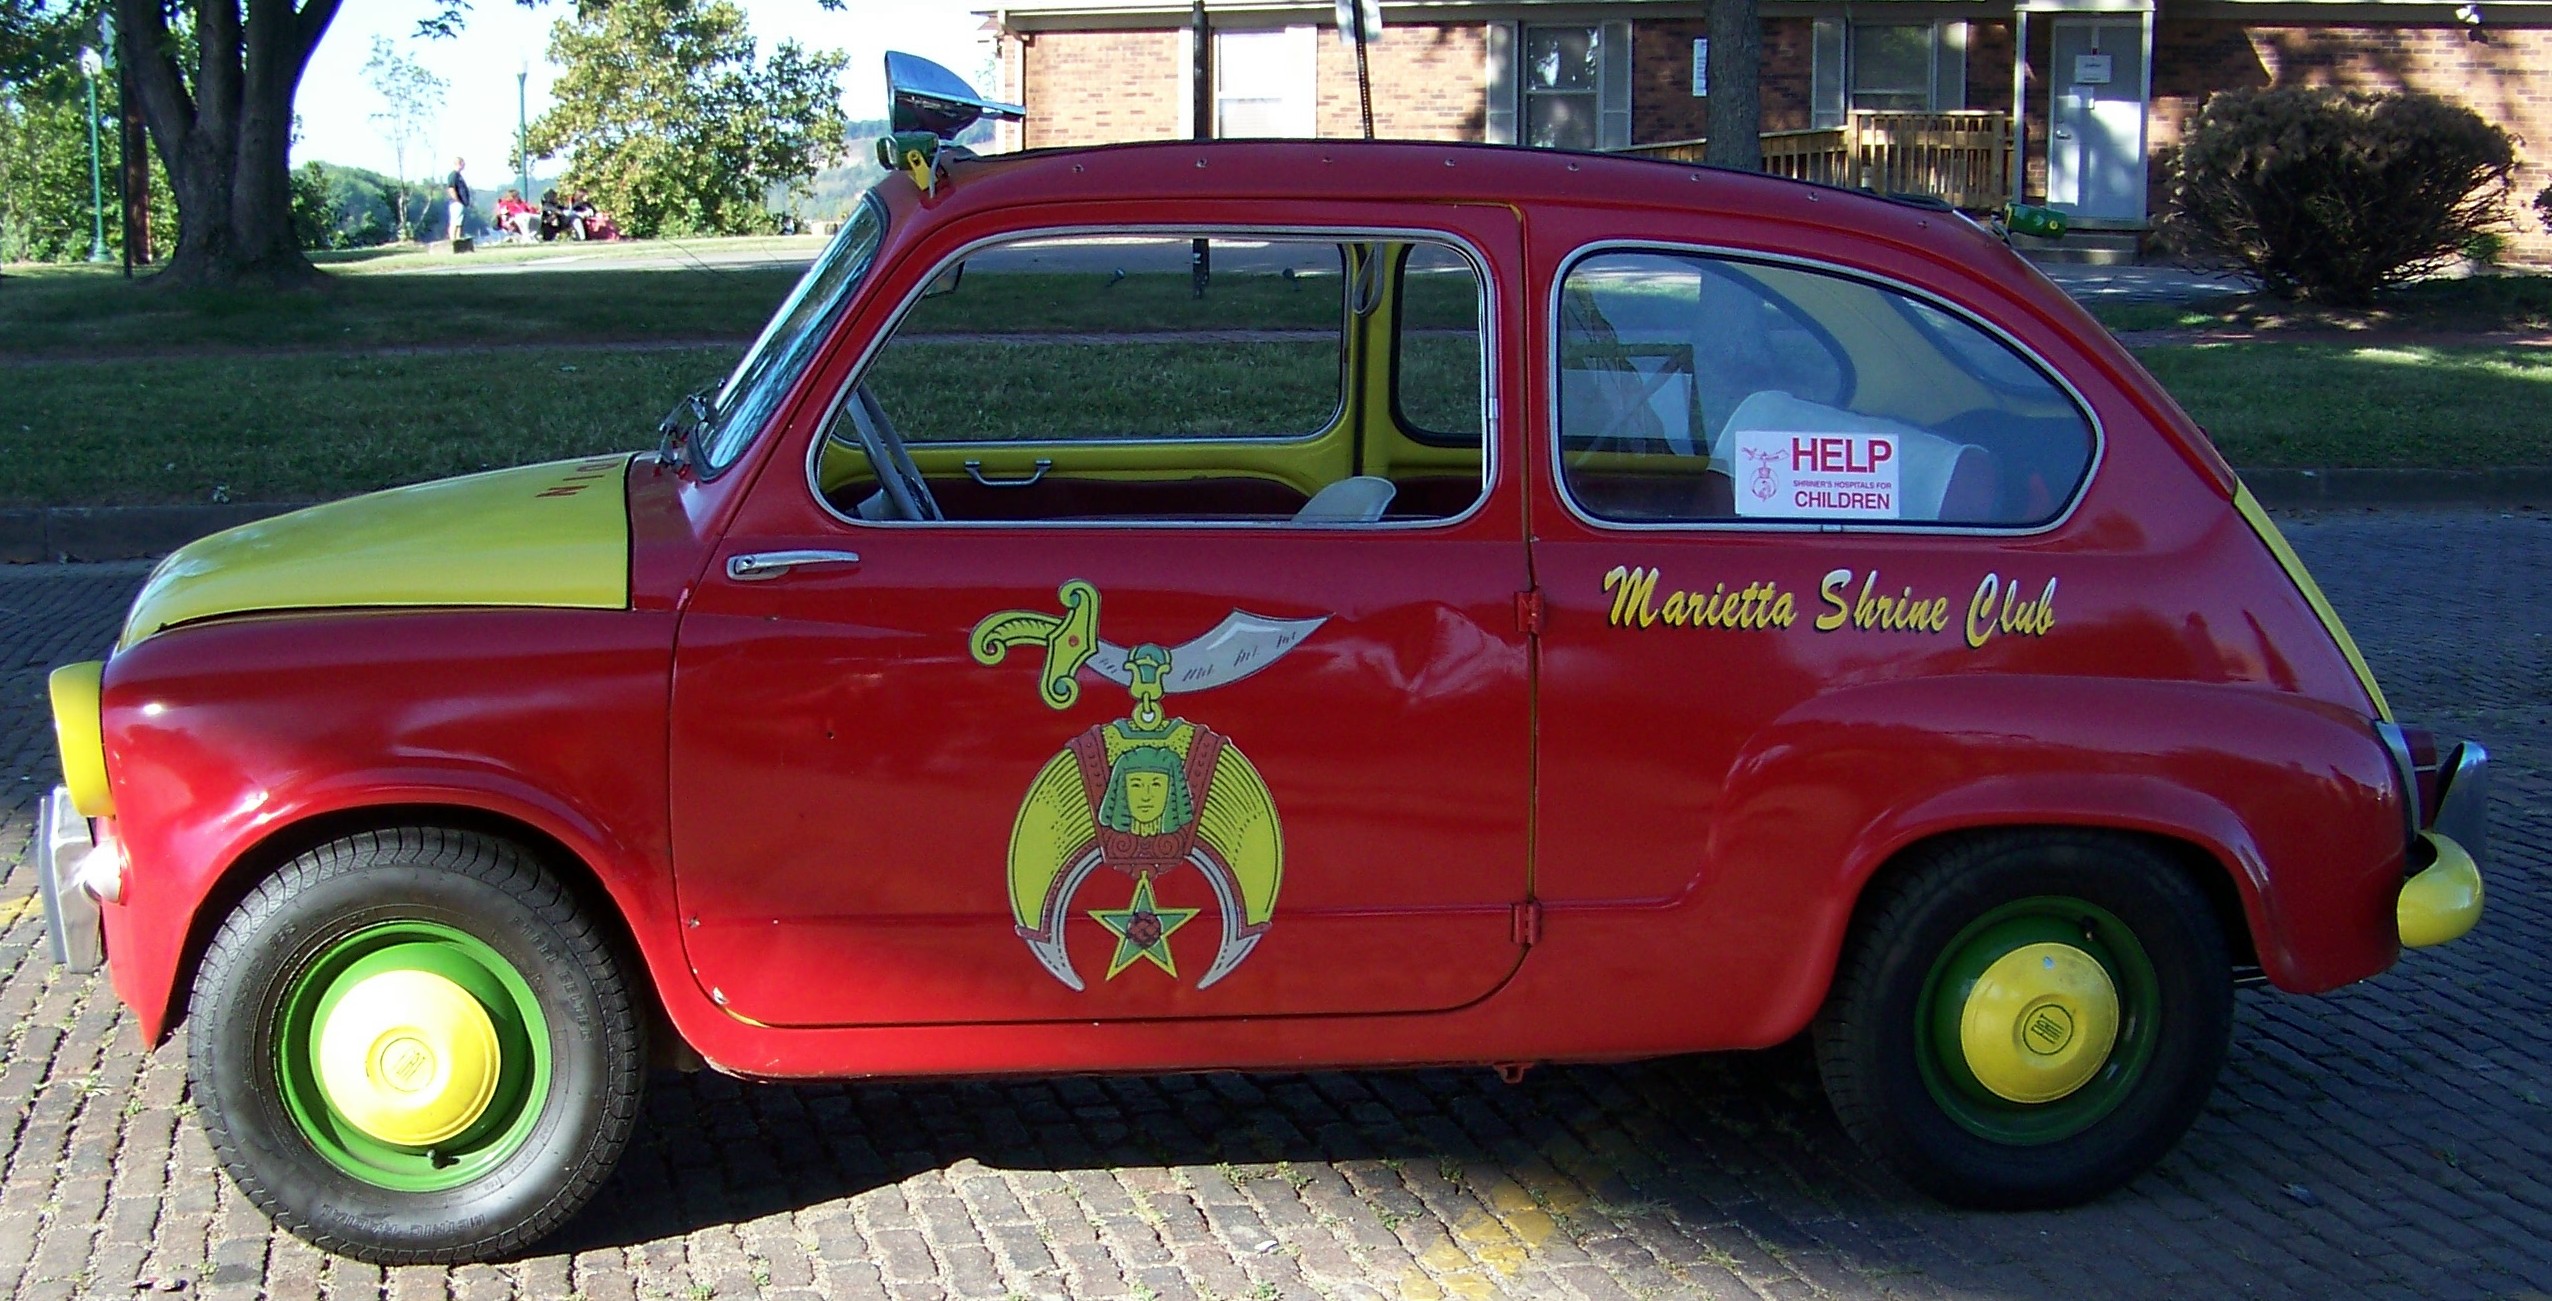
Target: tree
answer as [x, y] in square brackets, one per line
[44, 138]
[1736, 85]
[37, 36]
[672, 126]
[411, 99]
[216, 79]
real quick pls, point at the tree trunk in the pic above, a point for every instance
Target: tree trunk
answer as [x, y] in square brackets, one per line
[225, 133]
[1736, 85]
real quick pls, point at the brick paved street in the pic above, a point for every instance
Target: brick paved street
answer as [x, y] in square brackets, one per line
[2394, 1139]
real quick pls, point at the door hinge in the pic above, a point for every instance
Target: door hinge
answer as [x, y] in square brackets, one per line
[1528, 923]
[1528, 612]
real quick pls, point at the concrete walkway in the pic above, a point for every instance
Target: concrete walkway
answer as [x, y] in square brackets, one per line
[2153, 283]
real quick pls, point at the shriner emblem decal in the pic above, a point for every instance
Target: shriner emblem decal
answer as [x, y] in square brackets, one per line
[1144, 795]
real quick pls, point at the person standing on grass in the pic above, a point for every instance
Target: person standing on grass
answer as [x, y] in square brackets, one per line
[459, 189]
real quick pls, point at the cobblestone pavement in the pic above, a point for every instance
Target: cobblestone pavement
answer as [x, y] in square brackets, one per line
[2394, 1139]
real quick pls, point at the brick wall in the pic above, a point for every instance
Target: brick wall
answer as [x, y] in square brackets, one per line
[1662, 106]
[1083, 88]
[1430, 82]
[1789, 68]
[1087, 88]
[2505, 77]
[1989, 66]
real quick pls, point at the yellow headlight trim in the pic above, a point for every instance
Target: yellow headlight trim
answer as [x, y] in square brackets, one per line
[76, 731]
[2444, 900]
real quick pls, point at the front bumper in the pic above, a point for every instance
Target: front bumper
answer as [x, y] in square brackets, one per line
[2443, 900]
[72, 870]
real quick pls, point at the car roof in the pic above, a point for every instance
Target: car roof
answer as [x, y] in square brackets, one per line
[1448, 171]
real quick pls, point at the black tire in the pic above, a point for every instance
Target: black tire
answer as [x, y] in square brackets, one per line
[1871, 1040]
[565, 1140]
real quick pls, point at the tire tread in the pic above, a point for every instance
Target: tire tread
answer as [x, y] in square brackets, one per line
[508, 868]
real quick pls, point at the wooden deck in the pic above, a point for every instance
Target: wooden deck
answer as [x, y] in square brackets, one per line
[1962, 157]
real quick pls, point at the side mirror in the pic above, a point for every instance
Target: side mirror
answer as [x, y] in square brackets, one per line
[923, 96]
[945, 282]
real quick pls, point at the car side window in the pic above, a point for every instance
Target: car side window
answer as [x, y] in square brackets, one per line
[1704, 389]
[1087, 377]
[1436, 354]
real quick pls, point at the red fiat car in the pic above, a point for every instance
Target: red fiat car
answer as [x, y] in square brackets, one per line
[1267, 606]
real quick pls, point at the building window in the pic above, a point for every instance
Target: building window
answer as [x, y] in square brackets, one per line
[1559, 87]
[1887, 67]
[1892, 66]
[1563, 82]
[1266, 83]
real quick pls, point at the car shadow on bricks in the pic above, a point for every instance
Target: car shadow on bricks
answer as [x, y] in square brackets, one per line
[2333, 1149]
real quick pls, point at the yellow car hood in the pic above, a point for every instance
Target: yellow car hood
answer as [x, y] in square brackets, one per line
[541, 535]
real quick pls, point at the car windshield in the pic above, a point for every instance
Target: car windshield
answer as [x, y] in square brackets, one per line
[745, 402]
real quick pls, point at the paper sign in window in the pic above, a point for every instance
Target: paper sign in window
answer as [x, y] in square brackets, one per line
[1781, 474]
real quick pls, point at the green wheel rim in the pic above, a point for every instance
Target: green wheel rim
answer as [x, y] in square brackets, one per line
[522, 1036]
[1941, 1056]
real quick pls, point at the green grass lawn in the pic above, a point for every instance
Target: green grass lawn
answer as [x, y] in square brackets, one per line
[72, 311]
[293, 428]
[2500, 303]
[76, 311]
[1044, 301]
[305, 425]
[2345, 404]
[398, 259]
[173, 402]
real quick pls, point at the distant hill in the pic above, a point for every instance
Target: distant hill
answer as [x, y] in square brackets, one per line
[836, 188]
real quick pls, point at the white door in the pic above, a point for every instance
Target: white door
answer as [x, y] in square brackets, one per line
[2095, 160]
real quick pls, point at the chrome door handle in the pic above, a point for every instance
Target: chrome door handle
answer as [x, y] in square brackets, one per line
[975, 471]
[760, 565]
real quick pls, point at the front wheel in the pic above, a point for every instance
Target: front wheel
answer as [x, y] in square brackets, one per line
[2028, 1019]
[412, 1047]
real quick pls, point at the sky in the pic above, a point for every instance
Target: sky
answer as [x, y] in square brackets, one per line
[504, 39]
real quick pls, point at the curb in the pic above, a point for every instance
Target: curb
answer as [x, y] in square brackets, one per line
[40, 534]
[51, 533]
[2526, 485]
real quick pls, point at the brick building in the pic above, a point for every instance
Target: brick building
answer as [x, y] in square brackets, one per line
[2104, 91]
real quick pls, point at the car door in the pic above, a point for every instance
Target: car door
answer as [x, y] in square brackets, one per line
[1124, 741]
[1767, 480]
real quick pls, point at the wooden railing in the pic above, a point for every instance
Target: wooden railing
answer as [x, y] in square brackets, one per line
[1963, 157]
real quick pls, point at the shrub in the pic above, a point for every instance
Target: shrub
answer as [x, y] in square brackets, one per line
[2329, 196]
[2543, 207]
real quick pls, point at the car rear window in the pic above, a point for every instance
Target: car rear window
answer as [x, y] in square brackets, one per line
[1696, 388]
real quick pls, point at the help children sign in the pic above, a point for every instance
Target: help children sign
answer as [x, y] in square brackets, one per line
[1818, 475]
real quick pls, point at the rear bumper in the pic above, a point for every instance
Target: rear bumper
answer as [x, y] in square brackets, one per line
[71, 868]
[2443, 900]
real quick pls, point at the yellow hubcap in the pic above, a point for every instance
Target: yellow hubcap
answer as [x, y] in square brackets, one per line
[408, 1057]
[2039, 1023]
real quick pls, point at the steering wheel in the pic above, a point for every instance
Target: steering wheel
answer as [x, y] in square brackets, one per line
[906, 490]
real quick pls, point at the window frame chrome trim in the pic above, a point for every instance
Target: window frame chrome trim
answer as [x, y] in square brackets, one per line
[706, 474]
[1559, 474]
[1490, 463]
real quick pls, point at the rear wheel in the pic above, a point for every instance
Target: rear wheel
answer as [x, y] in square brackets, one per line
[2028, 1019]
[411, 1046]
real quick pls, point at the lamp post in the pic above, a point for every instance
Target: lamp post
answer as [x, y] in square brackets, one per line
[91, 64]
[523, 131]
